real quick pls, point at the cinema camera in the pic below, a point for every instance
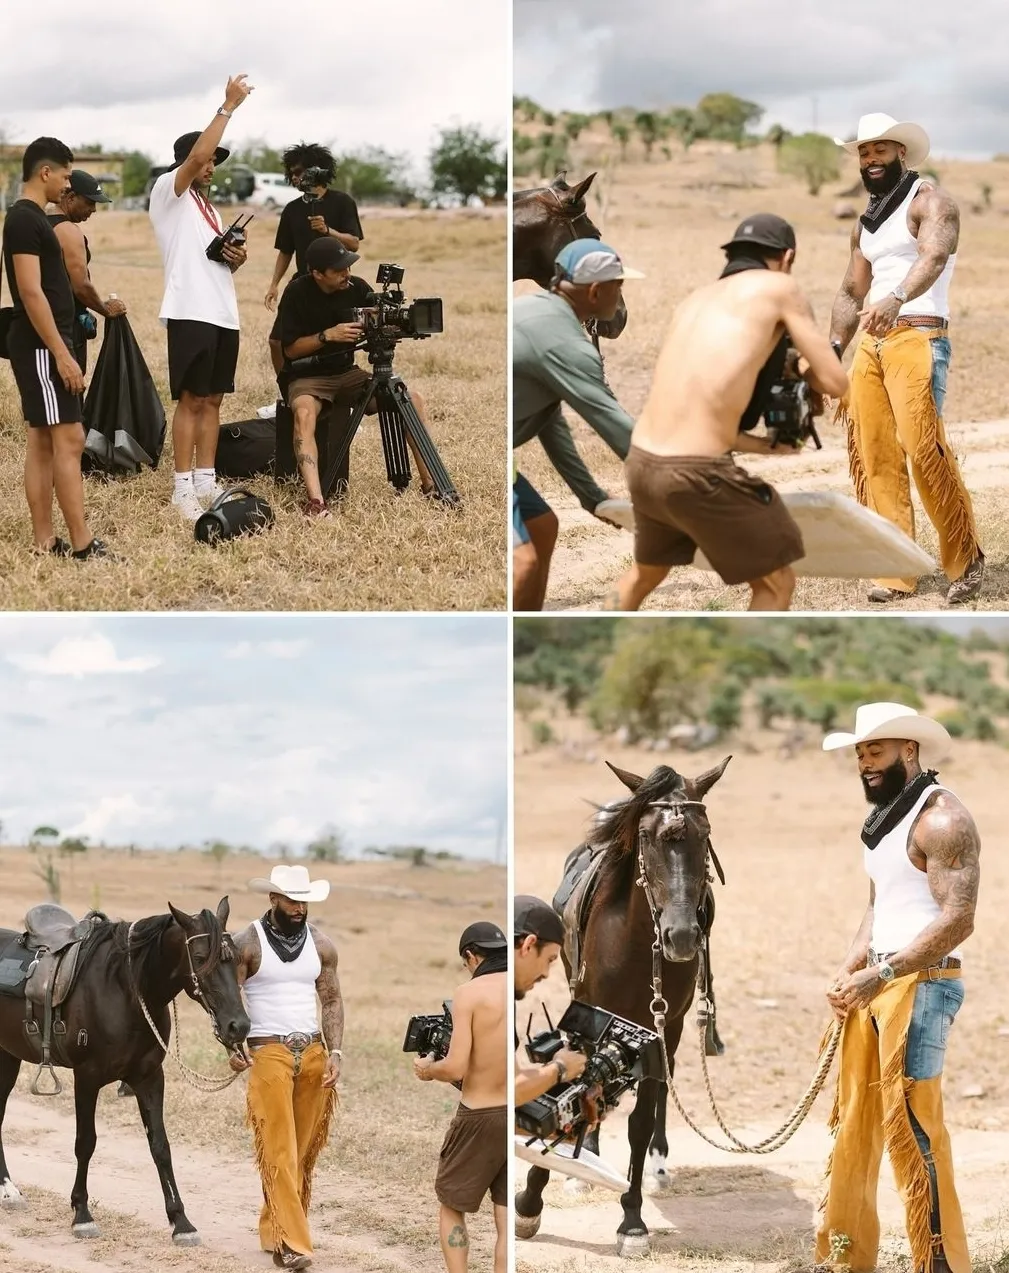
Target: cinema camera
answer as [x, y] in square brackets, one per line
[619, 1053]
[386, 317]
[233, 237]
[789, 417]
[430, 1035]
[309, 181]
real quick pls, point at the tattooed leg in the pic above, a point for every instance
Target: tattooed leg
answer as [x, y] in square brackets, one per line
[306, 452]
[454, 1240]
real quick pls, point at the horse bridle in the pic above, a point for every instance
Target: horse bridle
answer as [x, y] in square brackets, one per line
[591, 325]
[196, 988]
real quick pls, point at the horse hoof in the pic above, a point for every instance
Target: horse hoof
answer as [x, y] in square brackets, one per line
[527, 1226]
[658, 1184]
[574, 1187]
[632, 1246]
[88, 1230]
[10, 1196]
[186, 1239]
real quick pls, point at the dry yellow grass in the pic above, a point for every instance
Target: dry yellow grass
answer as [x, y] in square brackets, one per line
[667, 218]
[379, 552]
[396, 929]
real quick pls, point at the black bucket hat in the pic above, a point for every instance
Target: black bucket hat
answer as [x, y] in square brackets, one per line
[184, 146]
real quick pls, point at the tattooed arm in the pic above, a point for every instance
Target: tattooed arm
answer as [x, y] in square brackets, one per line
[851, 294]
[330, 996]
[947, 838]
[938, 234]
[247, 960]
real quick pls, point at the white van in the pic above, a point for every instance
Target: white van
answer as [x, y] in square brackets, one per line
[271, 191]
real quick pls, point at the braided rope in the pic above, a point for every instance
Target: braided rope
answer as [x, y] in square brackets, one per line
[200, 1081]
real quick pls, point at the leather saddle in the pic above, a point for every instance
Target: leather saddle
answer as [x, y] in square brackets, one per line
[56, 938]
[572, 902]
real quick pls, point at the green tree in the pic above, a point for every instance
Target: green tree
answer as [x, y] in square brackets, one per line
[375, 174]
[526, 109]
[776, 135]
[467, 163]
[621, 134]
[658, 676]
[725, 117]
[650, 128]
[48, 874]
[575, 124]
[726, 707]
[218, 850]
[259, 155]
[329, 846]
[136, 172]
[682, 123]
[811, 156]
[73, 844]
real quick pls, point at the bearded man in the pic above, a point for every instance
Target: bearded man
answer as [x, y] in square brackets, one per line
[903, 252]
[897, 994]
[283, 963]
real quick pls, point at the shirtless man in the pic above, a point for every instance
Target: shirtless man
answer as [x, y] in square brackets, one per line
[726, 347]
[283, 963]
[474, 1156]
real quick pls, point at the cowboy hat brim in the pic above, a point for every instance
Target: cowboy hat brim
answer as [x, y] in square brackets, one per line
[917, 729]
[317, 891]
[911, 136]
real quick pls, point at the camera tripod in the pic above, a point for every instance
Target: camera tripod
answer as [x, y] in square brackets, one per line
[398, 419]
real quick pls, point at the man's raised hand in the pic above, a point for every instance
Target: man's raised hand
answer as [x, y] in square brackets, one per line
[237, 90]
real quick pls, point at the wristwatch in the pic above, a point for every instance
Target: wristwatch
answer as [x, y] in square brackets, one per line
[885, 972]
[562, 1070]
[336, 1052]
[900, 294]
[321, 338]
[223, 110]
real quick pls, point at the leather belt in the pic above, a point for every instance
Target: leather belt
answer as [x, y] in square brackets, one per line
[296, 1042]
[922, 320]
[947, 961]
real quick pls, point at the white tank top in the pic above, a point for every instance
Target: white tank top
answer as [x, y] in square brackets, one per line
[904, 905]
[280, 998]
[891, 252]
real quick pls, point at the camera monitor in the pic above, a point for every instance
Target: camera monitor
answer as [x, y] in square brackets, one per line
[584, 1020]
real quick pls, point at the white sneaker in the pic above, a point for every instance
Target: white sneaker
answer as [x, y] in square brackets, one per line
[188, 505]
[208, 494]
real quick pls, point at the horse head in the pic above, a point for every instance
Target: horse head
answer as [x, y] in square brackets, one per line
[210, 969]
[666, 824]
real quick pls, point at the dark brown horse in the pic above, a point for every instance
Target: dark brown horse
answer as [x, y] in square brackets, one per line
[660, 833]
[543, 221]
[123, 966]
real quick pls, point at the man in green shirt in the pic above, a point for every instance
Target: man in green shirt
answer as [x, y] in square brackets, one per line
[554, 362]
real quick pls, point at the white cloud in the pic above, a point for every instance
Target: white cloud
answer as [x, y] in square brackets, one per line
[274, 649]
[88, 655]
[111, 815]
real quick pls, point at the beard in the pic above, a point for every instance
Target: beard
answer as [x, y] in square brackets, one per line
[289, 925]
[892, 173]
[894, 780]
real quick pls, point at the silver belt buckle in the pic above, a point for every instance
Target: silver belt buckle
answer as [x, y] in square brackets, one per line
[298, 1042]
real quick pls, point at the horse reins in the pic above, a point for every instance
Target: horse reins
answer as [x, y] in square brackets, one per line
[200, 1081]
[590, 324]
[659, 1007]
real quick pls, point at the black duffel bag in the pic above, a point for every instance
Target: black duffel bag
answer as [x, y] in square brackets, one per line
[124, 419]
[235, 512]
[6, 314]
[246, 448]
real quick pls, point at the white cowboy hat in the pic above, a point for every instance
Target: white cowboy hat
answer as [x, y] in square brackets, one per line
[890, 720]
[880, 127]
[292, 882]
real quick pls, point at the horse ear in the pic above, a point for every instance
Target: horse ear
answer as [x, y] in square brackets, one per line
[631, 781]
[184, 921]
[560, 182]
[582, 189]
[703, 784]
[223, 911]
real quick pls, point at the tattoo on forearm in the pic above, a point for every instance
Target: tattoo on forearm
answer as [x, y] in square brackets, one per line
[331, 998]
[844, 317]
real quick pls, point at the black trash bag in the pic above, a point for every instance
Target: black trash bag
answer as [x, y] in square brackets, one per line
[246, 448]
[124, 419]
[235, 512]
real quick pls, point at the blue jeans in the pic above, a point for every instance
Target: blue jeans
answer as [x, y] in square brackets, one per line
[936, 1003]
[941, 353]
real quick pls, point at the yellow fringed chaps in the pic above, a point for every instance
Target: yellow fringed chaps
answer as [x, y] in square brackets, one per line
[290, 1117]
[870, 1113]
[890, 417]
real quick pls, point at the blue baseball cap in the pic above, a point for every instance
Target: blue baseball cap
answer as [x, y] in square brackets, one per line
[589, 261]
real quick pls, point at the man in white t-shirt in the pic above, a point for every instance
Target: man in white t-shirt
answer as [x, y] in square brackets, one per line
[200, 308]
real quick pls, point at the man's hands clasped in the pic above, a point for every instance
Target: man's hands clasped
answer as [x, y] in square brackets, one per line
[853, 989]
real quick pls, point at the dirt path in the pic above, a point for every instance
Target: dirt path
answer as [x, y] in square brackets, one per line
[589, 555]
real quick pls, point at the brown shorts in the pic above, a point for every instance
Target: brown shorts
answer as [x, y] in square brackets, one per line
[344, 389]
[474, 1158]
[685, 502]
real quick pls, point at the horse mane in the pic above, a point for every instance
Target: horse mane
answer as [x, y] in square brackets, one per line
[617, 829]
[140, 949]
[554, 207]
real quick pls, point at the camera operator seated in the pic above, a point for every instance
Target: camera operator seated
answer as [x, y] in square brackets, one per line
[724, 351]
[539, 936]
[318, 323]
[474, 1156]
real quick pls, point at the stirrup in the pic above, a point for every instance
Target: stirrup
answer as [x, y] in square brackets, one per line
[57, 1085]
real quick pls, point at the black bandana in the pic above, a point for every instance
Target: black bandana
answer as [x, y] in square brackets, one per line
[496, 961]
[883, 206]
[743, 263]
[287, 949]
[883, 820]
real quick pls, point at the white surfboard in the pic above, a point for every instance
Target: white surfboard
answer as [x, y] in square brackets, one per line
[587, 1166]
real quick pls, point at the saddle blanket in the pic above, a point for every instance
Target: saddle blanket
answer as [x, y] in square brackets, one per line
[15, 962]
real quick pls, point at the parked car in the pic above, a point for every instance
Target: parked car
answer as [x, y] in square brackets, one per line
[271, 191]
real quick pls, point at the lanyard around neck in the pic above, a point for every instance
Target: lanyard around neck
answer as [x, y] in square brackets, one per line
[207, 211]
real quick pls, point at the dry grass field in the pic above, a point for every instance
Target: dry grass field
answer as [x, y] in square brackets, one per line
[374, 1209]
[667, 217]
[786, 832]
[379, 552]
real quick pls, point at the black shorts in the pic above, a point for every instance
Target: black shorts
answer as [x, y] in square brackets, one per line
[45, 400]
[201, 358]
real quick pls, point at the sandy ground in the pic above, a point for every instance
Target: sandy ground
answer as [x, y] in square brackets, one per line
[373, 1209]
[787, 837]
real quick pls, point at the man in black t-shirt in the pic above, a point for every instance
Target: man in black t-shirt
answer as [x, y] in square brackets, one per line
[319, 331]
[321, 212]
[40, 347]
[77, 205]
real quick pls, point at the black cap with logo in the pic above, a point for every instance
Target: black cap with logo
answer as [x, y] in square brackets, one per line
[88, 187]
[765, 229]
[328, 253]
[484, 934]
[536, 918]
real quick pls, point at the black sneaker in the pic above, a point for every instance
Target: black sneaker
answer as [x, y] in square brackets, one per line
[58, 548]
[285, 1258]
[95, 549]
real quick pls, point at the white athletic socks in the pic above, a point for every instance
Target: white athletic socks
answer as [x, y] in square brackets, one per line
[204, 480]
[183, 483]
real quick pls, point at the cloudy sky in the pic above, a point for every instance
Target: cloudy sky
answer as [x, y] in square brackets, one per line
[164, 730]
[135, 76]
[933, 62]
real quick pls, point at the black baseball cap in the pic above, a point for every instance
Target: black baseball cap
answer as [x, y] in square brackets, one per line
[482, 933]
[538, 919]
[184, 146]
[765, 229]
[87, 187]
[327, 253]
